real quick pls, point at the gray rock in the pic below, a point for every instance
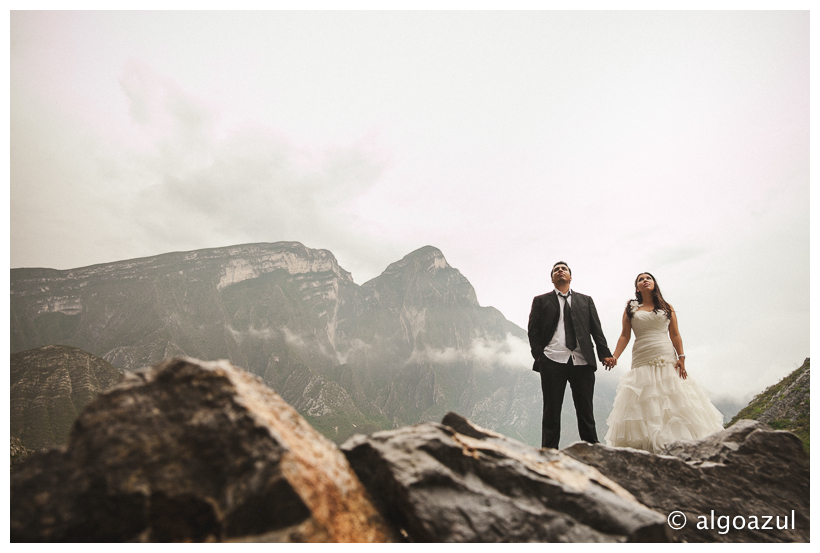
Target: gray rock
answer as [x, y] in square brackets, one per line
[191, 451]
[456, 482]
[745, 471]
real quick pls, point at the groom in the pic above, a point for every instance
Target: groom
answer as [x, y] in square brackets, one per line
[560, 326]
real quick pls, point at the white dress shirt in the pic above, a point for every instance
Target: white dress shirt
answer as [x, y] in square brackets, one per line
[557, 350]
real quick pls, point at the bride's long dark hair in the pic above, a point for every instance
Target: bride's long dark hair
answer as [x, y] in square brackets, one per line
[657, 298]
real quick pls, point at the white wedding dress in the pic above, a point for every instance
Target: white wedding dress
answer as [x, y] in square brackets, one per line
[653, 405]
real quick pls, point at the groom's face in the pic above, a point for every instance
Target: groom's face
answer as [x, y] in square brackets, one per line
[560, 273]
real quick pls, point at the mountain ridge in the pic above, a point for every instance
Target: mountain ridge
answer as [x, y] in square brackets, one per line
[408, 345]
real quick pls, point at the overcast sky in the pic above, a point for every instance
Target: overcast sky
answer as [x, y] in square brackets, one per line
[671, 142]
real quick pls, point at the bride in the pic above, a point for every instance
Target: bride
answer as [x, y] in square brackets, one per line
[655, 402]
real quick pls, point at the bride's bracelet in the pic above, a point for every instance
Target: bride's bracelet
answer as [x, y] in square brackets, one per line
[681, 357]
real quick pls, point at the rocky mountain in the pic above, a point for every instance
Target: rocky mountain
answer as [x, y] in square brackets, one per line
[49, 386]
[785, 405]
[204, 451]
[409, 345]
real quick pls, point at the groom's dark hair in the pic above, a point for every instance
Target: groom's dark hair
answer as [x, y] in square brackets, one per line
[560, 263]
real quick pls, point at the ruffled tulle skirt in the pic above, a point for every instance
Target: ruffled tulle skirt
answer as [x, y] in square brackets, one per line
[654, 407]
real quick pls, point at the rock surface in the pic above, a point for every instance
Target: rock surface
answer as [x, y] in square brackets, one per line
[747, 470]
[204, 451]
[456, 482]
[191, 451]
[50, 385]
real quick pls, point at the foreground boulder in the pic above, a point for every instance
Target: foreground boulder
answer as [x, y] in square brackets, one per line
[191, 451]
[456, 482]
[726, 485]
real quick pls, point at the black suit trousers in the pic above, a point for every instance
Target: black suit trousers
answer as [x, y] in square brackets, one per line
[554, 378]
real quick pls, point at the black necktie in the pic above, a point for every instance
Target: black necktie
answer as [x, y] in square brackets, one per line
[569, 328]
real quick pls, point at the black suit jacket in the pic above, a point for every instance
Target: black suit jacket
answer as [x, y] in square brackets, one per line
[544, 317]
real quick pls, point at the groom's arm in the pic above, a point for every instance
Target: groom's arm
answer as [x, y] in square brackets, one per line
[534, 329]
[597, 333]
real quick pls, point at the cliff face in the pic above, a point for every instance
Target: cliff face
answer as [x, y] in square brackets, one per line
[409, 345]
[50, 385]
[784, 406]
[131, 312]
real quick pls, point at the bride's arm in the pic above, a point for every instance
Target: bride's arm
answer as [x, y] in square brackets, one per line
[677, 341]
[626, 334]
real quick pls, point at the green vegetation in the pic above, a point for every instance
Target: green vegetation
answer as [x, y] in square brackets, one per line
[798, 423]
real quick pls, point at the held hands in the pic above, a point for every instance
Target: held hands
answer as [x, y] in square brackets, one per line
[609, 362]
[679, 366]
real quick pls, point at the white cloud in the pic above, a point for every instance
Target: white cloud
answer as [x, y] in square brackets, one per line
[248, 185]
[511, 353]
[292, 338]
[355, 346]
[438, 356]
[260, 334]
[484, 354]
